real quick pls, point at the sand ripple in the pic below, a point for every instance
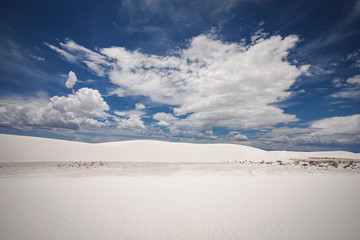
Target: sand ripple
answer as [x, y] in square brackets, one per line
[316, 206]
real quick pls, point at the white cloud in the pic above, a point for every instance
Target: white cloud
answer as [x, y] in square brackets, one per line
[344, 130]
[71, 80]
[164, 119]
[338, 82]
[140, 106]
[119, 92]
[351, 88]
[339, 130]
[240, 137]
[283, 136]
[138, 111]
[86, 102]
[210, 83]
[217, 83]
[94, 67]
[132, 122]
[38, 58]
[75, 53]
[347, 93]
[354, 80]
[258, 36]
[121, 114]
[68, 56]
[354, 56]
[334, 130]
[335, 125]
[163, 123]
[357, 63]
[83, 108]
[161, 116]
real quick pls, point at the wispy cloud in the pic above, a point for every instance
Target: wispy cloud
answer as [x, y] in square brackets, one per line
[350, 88]
[86, 58]
[142, 13]
[38, 58]
[354, 13]
[18, 60]
[339, 31]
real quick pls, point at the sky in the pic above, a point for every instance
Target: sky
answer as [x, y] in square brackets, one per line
[272, 74]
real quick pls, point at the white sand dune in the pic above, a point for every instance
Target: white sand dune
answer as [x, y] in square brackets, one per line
[22, 149]
[326, 154]
[192, 200]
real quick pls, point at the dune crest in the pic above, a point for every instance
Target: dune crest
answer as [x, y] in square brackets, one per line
[24, 149]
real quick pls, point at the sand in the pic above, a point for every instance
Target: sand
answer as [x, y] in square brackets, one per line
[182, 204]
[44, 196]
[28, 149]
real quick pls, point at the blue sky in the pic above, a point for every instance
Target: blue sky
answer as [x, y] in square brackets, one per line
[278, 75]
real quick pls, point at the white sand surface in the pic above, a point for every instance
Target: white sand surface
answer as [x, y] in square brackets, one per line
[24, 149]
[138, 190]
[181, 205]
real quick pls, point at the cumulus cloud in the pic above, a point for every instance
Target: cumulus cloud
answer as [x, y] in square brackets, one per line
[339, 130]
[140, 106]
[239, 137]
[209, 83]
[71, 80]
[334, 125]
[213, 82]
[85, 107]
[163, 123]
[139, 111]
[164, 119]
[86, 102]
[343, 130]
[132, 122]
